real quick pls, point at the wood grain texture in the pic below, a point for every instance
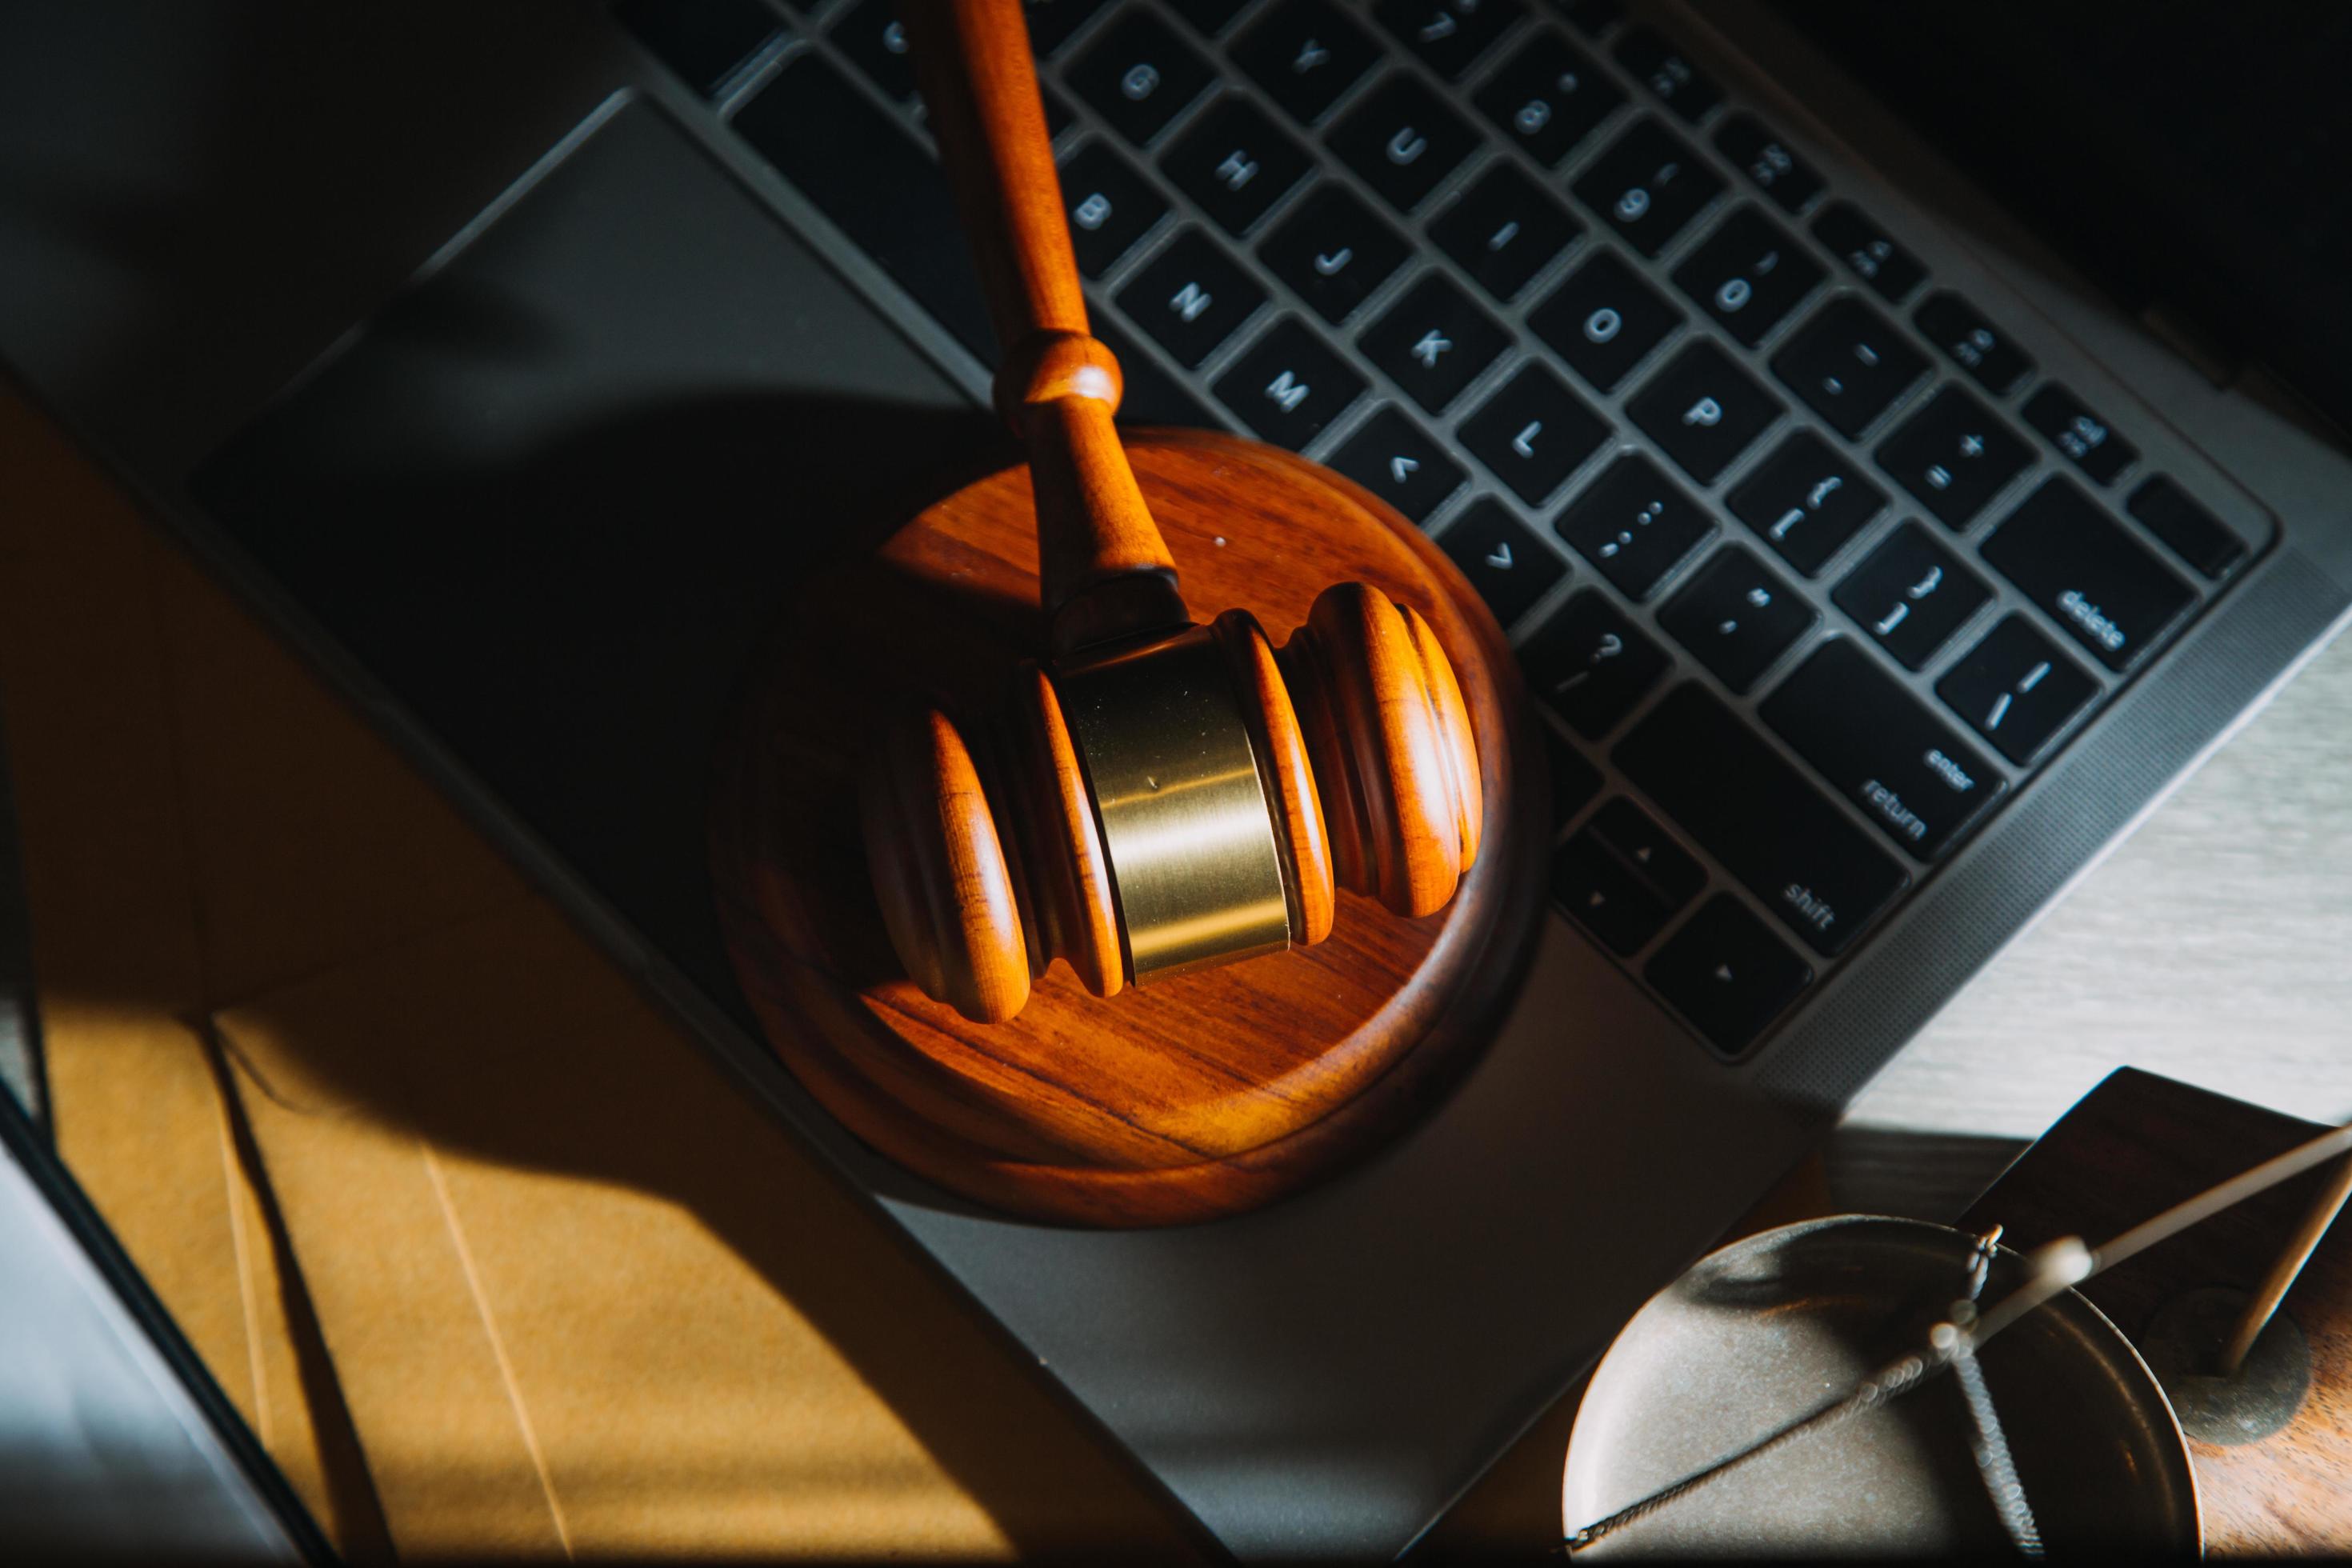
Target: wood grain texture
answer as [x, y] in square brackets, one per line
[1203, 1095]
[2136, 1144]
[1060, 863]
[1398, 796]
[1301, 834]
[1458, 747]
[940, 871]
[1106, 570]
[980, 93]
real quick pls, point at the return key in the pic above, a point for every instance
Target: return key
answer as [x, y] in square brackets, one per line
[1884, 753]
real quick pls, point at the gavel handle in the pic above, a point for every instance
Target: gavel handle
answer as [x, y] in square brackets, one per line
[1104, 570]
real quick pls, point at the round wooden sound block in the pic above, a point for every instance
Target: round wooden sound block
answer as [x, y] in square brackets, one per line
[1184, 1100]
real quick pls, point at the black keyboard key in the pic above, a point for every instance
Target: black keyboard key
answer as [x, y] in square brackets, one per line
[1288, 384]
[1602, 894]
[1747, 274]
[1728, 974]
[1403, 140]
[868, 174]
[1870, 251]
[1657, 65]
[2087, 440]
[1306, 54]
[1574, 781]
[1548, 97]
[1534, 432]
[1604, 320]
[1779, 173]
[1635, 525]
[1650, 851]
[1509, 566]
[1051, 22]
[1395, 460]
[704, 41]
[1955, 326]
[1761, 818]
[1209, 15]
[1059, 115]
[869, 32]
[1736, 617]
[1151, 396]
[1111, 205]
[1448, 36]
[1138, 76]
[1591, 664]
[1702, 409]
[1806, 501]
[1954, 455]
[1912, 595]
[1235, 162]
[1648, 186]
[1192, 297]
[1433, 343]
[2016, 690]
[1849, 364]
[2080, 565]
[1504, 230]
[2194, 533]
[1916, 780]
[1334, 251]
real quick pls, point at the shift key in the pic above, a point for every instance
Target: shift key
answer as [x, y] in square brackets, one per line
[1760, 818]
[1919, 782]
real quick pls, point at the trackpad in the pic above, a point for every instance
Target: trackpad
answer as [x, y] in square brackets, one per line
[553, 497]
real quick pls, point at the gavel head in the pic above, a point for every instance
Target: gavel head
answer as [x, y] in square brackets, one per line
[1172, 801]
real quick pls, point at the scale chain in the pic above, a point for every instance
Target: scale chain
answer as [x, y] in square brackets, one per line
[1989, 1444]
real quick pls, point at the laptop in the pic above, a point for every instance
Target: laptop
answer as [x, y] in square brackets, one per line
[1899, 444]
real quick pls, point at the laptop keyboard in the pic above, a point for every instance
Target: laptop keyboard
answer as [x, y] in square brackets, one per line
[1811, 565]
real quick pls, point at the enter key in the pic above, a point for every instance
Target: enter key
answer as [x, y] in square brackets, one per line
[1916, 780]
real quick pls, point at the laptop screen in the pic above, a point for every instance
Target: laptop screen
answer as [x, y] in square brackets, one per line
[2188, 154]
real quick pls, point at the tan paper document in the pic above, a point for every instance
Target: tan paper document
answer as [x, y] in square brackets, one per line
[656, 1325]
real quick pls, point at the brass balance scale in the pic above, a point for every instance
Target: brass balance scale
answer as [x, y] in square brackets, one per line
[1834, 1386]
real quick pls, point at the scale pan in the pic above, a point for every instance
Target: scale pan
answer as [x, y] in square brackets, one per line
[1770, 1328]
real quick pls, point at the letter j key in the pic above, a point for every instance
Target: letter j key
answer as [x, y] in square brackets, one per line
[1333, 251]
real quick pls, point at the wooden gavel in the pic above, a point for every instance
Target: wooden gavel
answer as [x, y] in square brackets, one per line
[1164, 796]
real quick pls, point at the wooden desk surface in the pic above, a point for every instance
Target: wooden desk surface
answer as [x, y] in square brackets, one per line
[220, 859]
